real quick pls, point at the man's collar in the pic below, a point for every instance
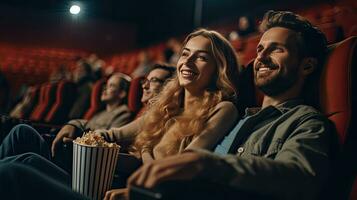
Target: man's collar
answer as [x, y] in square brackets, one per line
[282, 107]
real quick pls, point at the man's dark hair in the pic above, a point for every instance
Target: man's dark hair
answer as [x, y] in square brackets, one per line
[124, 84]
[169, 68]
[313, 43]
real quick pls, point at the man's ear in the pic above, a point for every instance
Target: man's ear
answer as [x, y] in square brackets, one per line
[309, 65]
[122, 94]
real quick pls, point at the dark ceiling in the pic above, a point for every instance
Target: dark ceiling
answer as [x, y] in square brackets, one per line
[153, 20]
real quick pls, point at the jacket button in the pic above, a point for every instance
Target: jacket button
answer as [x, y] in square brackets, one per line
[240, 150]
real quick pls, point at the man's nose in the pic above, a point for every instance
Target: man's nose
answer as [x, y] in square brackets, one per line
[145, 85]
[262, 56]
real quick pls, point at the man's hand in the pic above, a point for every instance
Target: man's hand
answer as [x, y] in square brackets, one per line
[186, 166]
[116, 194]
[65, 135]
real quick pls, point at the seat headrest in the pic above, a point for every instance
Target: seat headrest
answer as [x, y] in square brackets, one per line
[135, 93]
[336, 84]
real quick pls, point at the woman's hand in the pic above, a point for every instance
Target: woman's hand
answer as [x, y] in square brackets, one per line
[116, 194]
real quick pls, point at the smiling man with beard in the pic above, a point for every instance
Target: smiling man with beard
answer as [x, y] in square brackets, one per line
[281, 150]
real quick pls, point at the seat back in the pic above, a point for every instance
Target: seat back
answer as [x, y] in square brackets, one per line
[337, 98]
[65, 96]
[96, 104]
[46, 100]
[134, 96]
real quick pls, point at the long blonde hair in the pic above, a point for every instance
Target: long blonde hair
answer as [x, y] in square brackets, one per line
[166, 114]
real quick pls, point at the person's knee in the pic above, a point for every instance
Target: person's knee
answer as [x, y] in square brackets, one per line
[8, 170]
[26, 158]
[24, 130]
[33, 157]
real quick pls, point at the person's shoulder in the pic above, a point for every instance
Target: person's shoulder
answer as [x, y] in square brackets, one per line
[226, 105]
[309, 112]
[306, 109]
[122, 109]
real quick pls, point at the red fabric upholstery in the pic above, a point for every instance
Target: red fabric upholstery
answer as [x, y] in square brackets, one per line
[95, 102]
[250, 49]
[46, 100]
[335, 86]
[332, 31]
[65, 96]
[337, 98]
[135, 93]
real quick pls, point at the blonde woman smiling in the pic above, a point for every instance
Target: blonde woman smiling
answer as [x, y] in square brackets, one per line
[195, 109]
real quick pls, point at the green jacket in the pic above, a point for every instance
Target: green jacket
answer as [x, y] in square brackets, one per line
[282, 151]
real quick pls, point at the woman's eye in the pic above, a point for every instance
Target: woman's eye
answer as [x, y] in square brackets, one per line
[202, 57]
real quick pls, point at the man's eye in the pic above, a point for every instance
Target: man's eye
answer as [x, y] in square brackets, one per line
[185, 54]
[278, 49]
[259, 50]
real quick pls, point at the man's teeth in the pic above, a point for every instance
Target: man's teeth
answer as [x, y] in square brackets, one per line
[263, 69]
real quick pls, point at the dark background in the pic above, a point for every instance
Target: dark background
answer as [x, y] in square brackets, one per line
[113, 26]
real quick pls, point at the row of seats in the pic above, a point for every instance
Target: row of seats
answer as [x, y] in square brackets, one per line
[126, 63]
[51, 102]
[17, 63]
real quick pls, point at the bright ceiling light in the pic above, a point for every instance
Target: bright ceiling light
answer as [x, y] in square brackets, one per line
[75, 9]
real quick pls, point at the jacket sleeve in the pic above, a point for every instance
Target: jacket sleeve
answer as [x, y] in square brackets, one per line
[80, 124]
[121, 120]
[298, 170]
[219, 124]
[123, 134]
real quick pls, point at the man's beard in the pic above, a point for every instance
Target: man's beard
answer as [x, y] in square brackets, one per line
[278, 84]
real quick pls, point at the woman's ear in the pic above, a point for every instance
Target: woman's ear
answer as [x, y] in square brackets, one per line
[309, 65]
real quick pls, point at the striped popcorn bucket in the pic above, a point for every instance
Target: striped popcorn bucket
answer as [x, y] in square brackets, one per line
[93, 169]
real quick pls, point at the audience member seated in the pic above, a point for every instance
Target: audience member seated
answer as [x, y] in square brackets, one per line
[194, 111]
[60, 74]
[154, 82]
[26, 105]
[116, 113]
[246, 26]
[83, 77]
[172, 51]
[145, 63]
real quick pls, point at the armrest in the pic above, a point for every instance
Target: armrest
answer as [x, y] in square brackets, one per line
[192, 190]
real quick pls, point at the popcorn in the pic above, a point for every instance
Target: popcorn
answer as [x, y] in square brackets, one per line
[94, 139]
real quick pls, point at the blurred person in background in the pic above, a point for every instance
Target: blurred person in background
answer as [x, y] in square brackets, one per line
[144, 66]
[83, 77]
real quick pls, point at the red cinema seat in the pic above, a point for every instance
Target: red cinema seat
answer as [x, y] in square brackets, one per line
[65, 96]
[337, 101]
[95, 102]
[135, 93]
[46, 100]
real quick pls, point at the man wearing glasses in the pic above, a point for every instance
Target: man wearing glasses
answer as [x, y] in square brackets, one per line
[154, 81]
